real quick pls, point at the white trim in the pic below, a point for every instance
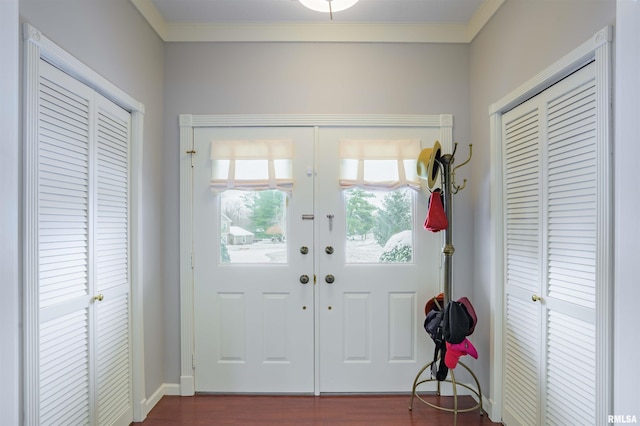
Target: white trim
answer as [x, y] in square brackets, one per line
[318, 31]
[137, 288]
[10, 367]
[496, 276]
[578, 57]
[481, 17]
[605, 226]
[38, 46]
[597, 49]
[152, 401]
[187, 383]
[187, 123]
[151, 14]
[58, 57]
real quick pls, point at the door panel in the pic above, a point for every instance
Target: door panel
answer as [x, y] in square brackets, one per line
[253, 321]
[370, 333]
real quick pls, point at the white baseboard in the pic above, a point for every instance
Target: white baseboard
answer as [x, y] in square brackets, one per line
[164, 389]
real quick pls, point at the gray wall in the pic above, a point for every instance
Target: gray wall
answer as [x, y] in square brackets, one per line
[519, 41]
[303, 78]
[113, 39]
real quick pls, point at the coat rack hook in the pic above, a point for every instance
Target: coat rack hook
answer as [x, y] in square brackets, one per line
[456, 188]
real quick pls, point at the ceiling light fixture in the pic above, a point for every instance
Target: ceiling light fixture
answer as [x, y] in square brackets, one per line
[328, 6]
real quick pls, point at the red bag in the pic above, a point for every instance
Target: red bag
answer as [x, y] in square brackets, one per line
[436, 217]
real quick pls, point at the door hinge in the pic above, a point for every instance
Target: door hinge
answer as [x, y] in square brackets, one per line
[314, 279]
[192, 262]
[193, 361]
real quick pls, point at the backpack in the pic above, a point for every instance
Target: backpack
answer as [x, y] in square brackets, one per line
[456, 322]
[433, 324]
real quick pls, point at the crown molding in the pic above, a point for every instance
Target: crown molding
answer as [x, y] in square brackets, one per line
[479, 19]
[318, 32]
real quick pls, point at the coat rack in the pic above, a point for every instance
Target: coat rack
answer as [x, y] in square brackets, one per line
[444, 165]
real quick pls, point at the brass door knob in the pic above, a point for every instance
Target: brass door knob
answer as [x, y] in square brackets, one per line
[304, 279]
[329, 279]
[98, 297]
[536, 298]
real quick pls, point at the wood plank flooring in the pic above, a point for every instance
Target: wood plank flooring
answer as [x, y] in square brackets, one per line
[392, 410]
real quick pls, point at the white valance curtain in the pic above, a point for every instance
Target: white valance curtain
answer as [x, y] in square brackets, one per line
[252, 165]
[382, 165]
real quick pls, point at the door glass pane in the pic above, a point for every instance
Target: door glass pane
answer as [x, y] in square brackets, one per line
[379, 226]
[253, 226]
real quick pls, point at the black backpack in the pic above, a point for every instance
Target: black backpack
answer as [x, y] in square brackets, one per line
[456, 322]
[434, 325]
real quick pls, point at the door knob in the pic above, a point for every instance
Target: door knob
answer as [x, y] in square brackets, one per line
[304, 279]
[304, 249]
[99, 297]
[328, 250]
[536, 298]
[329, 279]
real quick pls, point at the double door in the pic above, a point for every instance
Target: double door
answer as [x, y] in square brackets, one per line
[555, 253]
[311, 299]
[77, 256]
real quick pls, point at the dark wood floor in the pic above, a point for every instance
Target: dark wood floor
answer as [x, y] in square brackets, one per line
[308, 410]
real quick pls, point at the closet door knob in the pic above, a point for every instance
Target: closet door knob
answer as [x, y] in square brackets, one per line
[329, 279]
[98, 298]
[304, 279]
[536, 298]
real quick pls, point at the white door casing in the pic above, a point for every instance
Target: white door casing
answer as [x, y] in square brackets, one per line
[440, 126]
[72, 230]
[586, 315]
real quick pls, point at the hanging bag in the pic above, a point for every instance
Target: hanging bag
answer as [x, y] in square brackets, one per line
[436, 217]
[433, 324]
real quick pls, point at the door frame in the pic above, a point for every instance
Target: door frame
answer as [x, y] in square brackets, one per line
[37, 46]
[597, 49]
[187, 123]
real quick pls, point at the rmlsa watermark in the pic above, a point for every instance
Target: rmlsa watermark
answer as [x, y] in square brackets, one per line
[621, 418]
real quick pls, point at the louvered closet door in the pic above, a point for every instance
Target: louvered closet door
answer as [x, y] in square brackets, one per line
[82, 252]
[112, 326]
[550, 206]
[64, 248]
[523, 328]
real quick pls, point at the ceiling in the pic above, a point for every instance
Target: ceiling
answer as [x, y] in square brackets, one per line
[400, 21]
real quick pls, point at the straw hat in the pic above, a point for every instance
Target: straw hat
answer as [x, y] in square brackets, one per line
[428, 164]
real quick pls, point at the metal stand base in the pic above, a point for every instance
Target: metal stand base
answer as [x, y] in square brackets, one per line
[455, 410]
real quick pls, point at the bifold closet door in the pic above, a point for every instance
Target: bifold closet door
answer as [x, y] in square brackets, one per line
[78, 257]
[551, 204]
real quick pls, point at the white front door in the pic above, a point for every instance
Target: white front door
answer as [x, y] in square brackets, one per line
[257, 327]
[253, 315]
[371, 337]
